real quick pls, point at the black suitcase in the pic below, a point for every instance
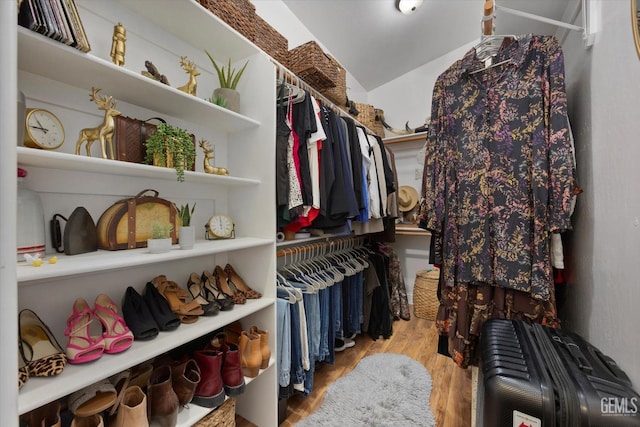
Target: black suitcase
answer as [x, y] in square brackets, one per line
[534, 376]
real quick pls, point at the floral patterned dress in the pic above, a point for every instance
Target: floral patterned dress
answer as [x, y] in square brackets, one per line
[499, 177]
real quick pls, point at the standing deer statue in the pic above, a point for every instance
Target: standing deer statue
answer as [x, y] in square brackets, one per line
[104, 132]
[190, 68]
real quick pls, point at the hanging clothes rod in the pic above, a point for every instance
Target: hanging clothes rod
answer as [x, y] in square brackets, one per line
[294, 79]
[321, 247]
[490, 7]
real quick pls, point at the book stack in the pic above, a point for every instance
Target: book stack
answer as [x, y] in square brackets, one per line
[56, 19]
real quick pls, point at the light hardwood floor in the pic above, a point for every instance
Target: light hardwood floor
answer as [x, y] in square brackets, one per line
[417, 338]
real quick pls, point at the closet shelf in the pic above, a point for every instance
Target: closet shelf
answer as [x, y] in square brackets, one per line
[102, 260]
[38, 391]
[48, 58]
[197, 26]
[73, 162]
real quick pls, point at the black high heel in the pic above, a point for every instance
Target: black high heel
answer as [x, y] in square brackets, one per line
[159, 308]
[225, 300]
[202, 295]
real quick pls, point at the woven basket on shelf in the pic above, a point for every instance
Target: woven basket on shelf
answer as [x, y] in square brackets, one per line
[224, 416]
[338, 93]
[367, 116]
[239, 14]
[271, 41]
[425, 294]
[309, 62]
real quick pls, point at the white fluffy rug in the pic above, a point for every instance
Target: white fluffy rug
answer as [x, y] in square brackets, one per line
[382, 390]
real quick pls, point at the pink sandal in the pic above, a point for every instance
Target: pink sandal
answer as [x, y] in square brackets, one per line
[82, 347]
[115, 333]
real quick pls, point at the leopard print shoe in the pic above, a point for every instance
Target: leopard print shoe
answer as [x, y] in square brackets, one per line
[41, 353]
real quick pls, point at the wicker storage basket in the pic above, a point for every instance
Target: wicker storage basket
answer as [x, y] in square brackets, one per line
[367, 116]
[239, 14]
[309, 62]
[425, 294]
[224, 416]
[271, 41]
[338, 93]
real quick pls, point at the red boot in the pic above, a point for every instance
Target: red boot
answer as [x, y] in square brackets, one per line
[209, 392]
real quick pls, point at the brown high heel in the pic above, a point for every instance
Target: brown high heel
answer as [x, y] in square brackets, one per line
[187, 312]
[222, 282]
[240, 284]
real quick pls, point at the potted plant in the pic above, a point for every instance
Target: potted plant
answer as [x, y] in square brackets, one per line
[187, 234]
[229, 78]
[172, 147]
[160, 240]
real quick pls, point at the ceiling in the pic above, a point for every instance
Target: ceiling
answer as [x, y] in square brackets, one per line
[376, 43]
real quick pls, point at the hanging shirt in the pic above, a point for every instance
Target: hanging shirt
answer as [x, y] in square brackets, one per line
[499, 175]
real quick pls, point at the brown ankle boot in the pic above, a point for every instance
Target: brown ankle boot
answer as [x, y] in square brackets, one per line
[265, 351]
[46, 416]
[186, 376]
[162, 400]
[250, 355]
[92, 421]
[132, 410]
[209, 392]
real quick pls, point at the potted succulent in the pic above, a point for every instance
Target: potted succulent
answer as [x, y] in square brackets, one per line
[160, 240]
[172, 147]
[187, 233]
[229, 78]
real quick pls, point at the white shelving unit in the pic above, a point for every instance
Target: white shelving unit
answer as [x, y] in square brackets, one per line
[59, 78]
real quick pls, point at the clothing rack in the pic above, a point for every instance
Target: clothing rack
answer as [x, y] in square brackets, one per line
[588, 35]
[311, 250]
[289, 76]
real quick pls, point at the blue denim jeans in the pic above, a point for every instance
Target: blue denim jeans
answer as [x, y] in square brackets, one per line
[297, 371]
[283, 323]
[336, 301]
[325, 302]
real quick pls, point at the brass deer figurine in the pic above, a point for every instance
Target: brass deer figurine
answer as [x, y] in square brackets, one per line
[209, 158]
[190, 68]
[105, 131]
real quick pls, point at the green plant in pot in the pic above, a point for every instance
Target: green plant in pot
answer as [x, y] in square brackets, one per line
[172, 147]
[229, 78]
[160, 240]
[187, 234]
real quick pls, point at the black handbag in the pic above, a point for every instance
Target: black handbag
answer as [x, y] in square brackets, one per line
[80, 233]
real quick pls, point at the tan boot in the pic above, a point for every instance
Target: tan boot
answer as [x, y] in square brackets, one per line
[251, 358]
[265, 351]
[133, 409]
[92, 421]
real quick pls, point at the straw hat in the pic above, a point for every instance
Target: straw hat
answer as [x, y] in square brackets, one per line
[407, 198]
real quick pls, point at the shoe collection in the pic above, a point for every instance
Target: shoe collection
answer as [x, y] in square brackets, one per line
[153, 393]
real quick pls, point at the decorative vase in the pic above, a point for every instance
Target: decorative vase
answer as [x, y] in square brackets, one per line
[231, 95]
[158, 246]
[187, 237]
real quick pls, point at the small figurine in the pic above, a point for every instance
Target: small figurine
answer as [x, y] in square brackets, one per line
[153, 73]
[209, 158]
[105, 131]
[191, 86]
[118, 44]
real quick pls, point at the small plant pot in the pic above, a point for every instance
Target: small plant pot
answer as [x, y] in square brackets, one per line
[187, 237]
[232, 96]
[158, 246]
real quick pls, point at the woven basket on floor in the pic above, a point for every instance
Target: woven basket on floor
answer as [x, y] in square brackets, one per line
[425, 294]
[309, 62]
[224, 416]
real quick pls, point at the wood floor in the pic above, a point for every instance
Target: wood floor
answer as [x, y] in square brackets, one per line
[417, 338]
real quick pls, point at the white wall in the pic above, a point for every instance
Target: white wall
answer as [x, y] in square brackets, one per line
[604, 99]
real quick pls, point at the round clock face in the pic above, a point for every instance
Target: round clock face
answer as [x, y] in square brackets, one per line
[43, 130]
[220, 226]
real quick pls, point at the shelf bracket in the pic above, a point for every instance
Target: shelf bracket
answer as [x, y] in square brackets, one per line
[588, 19]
